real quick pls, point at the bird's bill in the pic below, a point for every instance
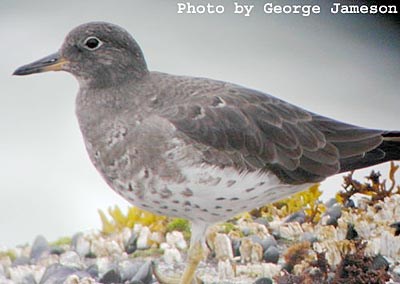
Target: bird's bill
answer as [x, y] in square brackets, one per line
[53, 62]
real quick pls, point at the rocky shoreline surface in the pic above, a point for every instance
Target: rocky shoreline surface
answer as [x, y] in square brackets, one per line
[353, 241]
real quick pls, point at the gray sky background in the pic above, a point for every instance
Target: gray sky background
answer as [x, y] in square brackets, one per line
[346, 67]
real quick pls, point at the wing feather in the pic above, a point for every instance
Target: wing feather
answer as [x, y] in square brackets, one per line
[260, 132]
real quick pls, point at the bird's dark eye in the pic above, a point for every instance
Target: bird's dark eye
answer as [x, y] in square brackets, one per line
[92, 43]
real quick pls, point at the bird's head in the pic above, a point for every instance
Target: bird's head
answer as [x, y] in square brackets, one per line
[96, 53]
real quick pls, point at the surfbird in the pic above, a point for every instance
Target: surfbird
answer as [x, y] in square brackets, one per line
[197, 148]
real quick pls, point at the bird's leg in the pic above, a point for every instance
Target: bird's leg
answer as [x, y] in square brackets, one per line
[195, 255]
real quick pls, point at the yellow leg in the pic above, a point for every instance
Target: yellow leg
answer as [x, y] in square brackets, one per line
[195, 255]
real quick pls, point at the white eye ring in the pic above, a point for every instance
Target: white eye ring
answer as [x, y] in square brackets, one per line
[92, 43]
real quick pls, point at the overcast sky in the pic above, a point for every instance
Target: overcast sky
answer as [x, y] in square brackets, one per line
[346, 67]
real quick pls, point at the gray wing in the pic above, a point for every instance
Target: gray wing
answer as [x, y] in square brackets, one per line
[257, 131]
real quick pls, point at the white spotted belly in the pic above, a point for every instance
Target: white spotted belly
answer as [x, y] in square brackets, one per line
[206, 193]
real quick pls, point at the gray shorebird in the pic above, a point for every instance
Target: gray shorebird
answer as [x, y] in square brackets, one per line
[197, 148]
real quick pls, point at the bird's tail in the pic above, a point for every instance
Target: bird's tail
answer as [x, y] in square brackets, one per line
[388, 150]
[391, 145]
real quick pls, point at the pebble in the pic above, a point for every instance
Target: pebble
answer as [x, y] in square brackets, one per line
[93, 270]
[58, 274]
[80, 244]
[380, 262]
[261, 221]
[171, 255]
[143, 238]
[144, 274]
[263, 280]
[308, 237]
[111, 276]
[271, 255]
[128, 268]
[256, 253]
[332, 215]
[56, 250]
[131, 245]
[71, 259]
[40, 246]
[223, 247]
[23, 260]
[176, 239]
[26, 274]
[225, 269]
[110, 263]
[236, 247]
[299, 217]
[245, 250]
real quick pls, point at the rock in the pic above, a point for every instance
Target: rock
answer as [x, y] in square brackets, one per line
[26, 273]
[144, 274]
[172, 255]
[21, 261]
[331, 202]
[256, 239]
[334, 250]
[261, 221]
[256, 253]
[104, 247]
[176, 239]
[380, 262]
[263, 280]
[349, 203]
[93, 271]
[4, 280]
[131, 245]
[268, 241]
[57, 250]
[271, 255]
[110, 277]
[71, 259]
[223, 247]
[114, 249]
[104, 264]
[332, 214]
[144, 238]
[225, 269]
[351, 232]
[396, 273]
[308, 237]
[236, 247]
[290, 231]
[128, 269]
[269, 270]
[23, 274]
[264, 242]
[75, 279]
[299, 217]
[125, 235]
[58, 274]
[245, 250]
[246, 231]
[396, 227]
[157, 237]
[81, 245]
[48, 260]
[40, 246]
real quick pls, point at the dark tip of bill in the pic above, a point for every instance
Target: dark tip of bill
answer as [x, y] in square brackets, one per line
[21, 71]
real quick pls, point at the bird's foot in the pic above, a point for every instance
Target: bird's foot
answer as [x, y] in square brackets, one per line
[195, 255]
[163, 279]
